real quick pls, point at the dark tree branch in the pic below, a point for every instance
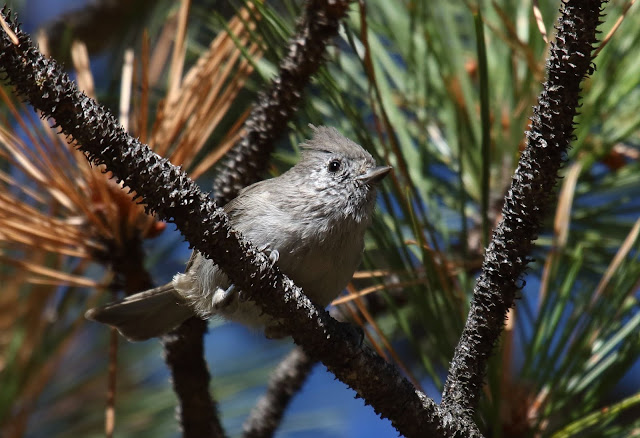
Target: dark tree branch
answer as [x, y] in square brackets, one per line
[184, 354]
[168, 191]
[285, 382]
[244, 165]
[526, 204]
[126, 259]
[247, 161]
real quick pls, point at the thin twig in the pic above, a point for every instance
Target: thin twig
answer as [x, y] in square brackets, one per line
[539, 21]
[110, 411]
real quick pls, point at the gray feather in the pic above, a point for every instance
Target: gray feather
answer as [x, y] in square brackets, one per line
[144, 315]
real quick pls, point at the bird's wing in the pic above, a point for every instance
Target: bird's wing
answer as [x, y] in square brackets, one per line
[245, 196]
[235, 206]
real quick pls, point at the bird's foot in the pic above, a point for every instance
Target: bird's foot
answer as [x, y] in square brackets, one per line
[273, 254]
[223, 298]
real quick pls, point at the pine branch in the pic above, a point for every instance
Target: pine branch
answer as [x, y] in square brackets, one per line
[168, 191]
[243, 166]
[247, 161]
[527, 203]
[184, 355]
[285, 382]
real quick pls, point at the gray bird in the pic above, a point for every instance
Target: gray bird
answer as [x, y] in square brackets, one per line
[311, 221]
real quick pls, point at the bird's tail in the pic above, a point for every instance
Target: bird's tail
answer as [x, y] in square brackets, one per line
[144, 315]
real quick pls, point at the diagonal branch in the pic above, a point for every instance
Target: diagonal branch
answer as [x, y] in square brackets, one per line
[526, 204]
[268, 119]
[168, 191]
[285, 382]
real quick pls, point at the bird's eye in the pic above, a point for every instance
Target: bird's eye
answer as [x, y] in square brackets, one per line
[334, 166]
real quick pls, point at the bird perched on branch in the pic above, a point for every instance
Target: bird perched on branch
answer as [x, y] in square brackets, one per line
[311, 220]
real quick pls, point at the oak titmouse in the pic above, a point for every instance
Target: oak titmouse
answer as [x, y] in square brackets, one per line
[311, 220]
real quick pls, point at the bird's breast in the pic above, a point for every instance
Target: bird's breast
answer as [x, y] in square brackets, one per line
[323, 265]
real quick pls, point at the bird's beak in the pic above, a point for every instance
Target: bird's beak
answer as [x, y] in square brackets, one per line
[374, 175]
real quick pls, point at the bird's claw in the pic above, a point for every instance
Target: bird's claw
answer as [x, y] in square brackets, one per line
[223, 298]
[273, 254]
